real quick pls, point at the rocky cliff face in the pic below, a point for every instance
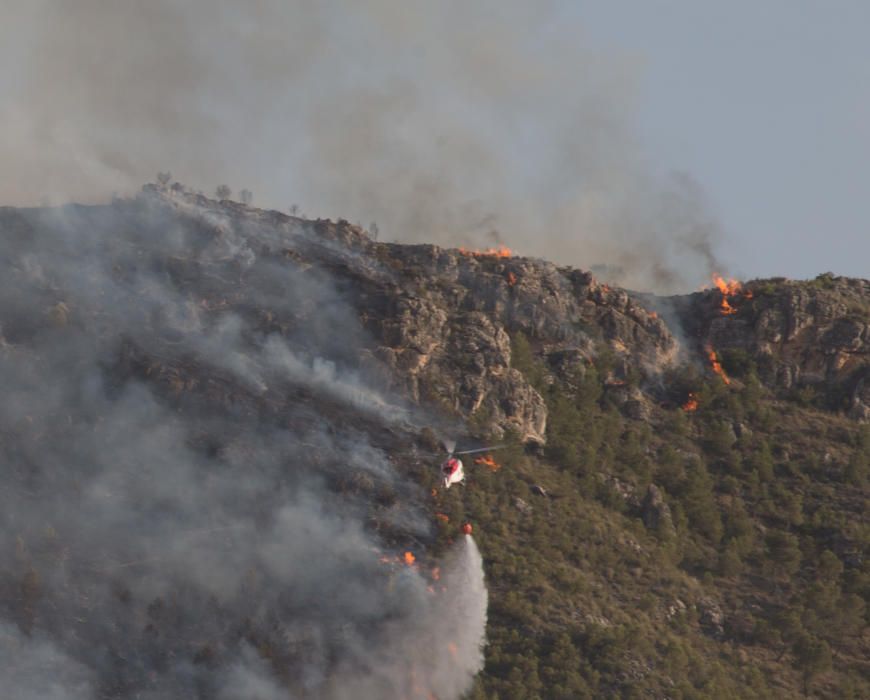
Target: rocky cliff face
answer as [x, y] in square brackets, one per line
[812, 334]
[439, 323]
[447, 334]
[443, 320]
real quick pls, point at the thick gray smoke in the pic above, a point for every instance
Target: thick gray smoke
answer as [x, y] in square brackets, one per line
[450, 122]
[196, 489]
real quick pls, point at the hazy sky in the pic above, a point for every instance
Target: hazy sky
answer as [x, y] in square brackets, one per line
[670, 138]
[767, 104]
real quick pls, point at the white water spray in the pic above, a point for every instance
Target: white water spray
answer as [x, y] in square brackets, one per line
[460, 622]
[441, 651]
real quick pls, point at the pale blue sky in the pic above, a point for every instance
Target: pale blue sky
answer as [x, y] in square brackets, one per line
[767, 104]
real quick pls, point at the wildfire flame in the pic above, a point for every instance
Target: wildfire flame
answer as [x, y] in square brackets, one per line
[511, 279]
[442, 517]
[408, 559]
[488, 462]
[499, 252]
[716, 365]
[691, 403]
[729, 288]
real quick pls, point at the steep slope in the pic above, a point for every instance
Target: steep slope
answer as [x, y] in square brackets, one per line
[219, 414]
[199, 490]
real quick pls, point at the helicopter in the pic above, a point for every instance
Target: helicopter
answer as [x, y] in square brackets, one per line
[452, 470]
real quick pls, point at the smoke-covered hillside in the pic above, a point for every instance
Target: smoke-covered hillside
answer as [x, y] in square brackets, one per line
[203, 493]
[220, 468]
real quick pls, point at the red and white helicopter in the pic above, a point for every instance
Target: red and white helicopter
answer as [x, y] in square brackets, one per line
[452, 470]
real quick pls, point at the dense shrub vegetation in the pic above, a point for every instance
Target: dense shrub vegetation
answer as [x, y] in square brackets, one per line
[749, 579]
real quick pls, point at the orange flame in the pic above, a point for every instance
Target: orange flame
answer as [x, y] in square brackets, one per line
[488, 462]
[729, 288]
[442, 517]
[653, 314]
[691, 403]
[500, 252]
[716, 365]
[408, 559]
[511, 279]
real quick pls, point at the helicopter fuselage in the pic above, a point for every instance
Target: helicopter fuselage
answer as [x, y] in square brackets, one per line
[452, 471]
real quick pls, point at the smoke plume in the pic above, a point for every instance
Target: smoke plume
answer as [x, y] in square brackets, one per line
[198, 493]
[455, 123]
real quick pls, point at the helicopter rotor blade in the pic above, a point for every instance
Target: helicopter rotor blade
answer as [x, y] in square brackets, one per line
[481, 449]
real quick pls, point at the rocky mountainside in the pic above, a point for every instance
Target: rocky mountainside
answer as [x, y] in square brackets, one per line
[681, 505]
[440, 320]
[813, 335]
